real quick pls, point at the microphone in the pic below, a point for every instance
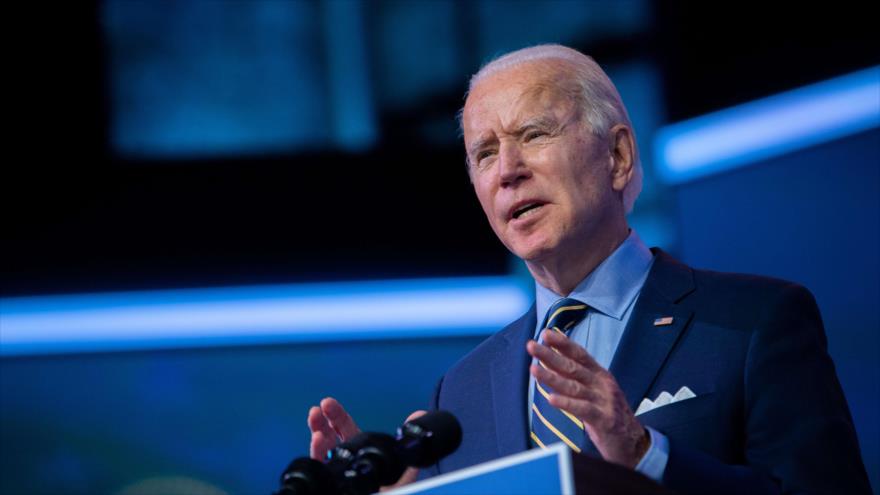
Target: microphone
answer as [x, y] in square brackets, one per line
[376, 464]
[419, 443]
[427, 439]
[371, 460]
[306, 476]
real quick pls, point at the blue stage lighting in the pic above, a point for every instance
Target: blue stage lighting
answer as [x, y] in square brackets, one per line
[259, 315]
[769, 127]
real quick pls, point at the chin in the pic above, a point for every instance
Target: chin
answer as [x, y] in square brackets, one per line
[533, 250]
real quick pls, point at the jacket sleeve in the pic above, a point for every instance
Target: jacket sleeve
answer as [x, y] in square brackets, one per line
[799, 435]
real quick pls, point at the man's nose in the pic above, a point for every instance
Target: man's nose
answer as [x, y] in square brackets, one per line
[513, 168]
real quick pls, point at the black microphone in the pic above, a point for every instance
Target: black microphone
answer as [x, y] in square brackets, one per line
[371, 460]
[427, 439]
[378, 463]
[419, 443]
[306, 476]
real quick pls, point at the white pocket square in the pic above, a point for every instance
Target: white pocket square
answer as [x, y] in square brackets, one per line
[663, 399]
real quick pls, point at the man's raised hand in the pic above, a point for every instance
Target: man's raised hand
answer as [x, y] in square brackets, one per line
[587, 390]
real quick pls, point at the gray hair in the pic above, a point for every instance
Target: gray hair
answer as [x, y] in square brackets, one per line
[600, 101]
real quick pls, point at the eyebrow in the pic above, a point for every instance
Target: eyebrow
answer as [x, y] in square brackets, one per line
[540, 122]
[480, 144]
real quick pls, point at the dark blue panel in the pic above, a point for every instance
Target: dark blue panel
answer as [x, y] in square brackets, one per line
[811, 217]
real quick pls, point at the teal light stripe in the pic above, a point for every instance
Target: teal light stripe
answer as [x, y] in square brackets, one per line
[259, 315]
[769, 127]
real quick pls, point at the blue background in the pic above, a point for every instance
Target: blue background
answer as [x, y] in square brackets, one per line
[213, 144]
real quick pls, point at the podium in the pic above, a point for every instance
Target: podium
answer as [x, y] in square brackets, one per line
[551, 471]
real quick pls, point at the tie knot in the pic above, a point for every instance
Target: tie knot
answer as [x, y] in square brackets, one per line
[564, 314]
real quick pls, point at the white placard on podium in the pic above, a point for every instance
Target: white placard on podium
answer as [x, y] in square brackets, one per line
[545, 471]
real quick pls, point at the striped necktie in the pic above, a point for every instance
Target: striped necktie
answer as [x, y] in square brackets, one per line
[549, 424]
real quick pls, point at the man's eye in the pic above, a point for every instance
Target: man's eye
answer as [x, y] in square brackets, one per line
[483, 155]
[533, 135]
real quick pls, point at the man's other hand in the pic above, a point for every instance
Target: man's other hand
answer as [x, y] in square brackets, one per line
[330, 423]
[588, 391]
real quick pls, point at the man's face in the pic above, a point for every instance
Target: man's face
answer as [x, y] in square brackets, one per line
[542, 178]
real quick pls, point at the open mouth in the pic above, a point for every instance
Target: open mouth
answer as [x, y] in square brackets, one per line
[526, 210]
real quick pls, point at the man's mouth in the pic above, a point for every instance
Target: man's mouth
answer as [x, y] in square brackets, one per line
[526, 210]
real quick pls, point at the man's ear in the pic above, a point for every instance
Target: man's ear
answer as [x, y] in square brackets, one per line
[622, 148]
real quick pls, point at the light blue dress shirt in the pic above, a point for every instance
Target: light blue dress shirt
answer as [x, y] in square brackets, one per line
[611, 291]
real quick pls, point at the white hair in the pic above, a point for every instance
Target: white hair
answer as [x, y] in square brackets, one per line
[597, 95]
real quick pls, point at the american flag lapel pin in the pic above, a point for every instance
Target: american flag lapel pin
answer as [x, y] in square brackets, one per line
[662, 322]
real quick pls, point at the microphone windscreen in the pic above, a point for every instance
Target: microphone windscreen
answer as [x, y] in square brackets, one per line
[430, 437]
[381, 453]
[305, 476]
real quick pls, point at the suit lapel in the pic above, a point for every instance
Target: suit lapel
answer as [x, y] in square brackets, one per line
[644, 347]
[510, 371]
[640, 355]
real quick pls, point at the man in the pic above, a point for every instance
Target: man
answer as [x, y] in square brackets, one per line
[757, 407]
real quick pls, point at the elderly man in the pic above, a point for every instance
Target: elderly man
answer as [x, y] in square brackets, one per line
[705, 382]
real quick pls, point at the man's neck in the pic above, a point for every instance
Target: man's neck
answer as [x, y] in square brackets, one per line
[563, 273]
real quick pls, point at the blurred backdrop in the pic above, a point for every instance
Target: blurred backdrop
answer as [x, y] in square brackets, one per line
[194, 190]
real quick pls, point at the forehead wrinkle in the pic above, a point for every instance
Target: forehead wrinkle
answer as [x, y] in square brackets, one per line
[555, 107]
[548, 93]
[524, 113]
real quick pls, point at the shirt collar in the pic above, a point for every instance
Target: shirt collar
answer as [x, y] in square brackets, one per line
[613, 285]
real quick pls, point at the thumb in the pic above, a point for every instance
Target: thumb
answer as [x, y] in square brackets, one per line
[415, 415]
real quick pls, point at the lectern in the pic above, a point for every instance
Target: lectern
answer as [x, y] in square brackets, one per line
[551, 471]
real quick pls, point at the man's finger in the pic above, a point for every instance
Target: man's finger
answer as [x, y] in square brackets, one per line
[586, 410]
[569, 348]
[415, 415]
[339, 419]
[563, 385]
[323, 436]
[558, 362]
[317, 421]
[320, 445]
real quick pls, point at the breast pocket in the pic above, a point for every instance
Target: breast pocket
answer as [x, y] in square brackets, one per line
[684, 411]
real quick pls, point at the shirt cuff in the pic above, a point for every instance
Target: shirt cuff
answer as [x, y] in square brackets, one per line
[653, 463]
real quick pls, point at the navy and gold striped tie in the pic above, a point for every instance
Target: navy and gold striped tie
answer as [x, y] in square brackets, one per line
[549, 424]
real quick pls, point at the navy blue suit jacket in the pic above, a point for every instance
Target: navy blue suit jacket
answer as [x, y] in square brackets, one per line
[769, 415]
